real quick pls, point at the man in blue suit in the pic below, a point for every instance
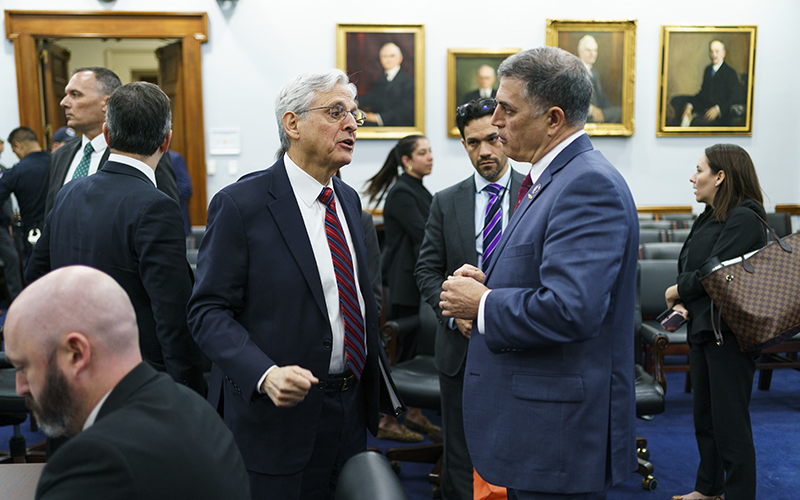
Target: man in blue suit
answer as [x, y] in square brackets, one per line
[284, 322]
[549, 388]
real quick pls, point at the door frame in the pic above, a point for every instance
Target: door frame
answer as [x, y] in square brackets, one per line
[24, 27]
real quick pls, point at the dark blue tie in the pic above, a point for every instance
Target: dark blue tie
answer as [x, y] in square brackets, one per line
[493, 225]
[346, 283]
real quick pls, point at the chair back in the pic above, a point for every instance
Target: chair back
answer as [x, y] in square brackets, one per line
[781, 222]
[657, 224]
[369, 476]
[661, 250]
[652, 235]
[656, 277]
[678, 235]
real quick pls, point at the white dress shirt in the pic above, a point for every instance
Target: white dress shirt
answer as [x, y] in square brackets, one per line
[138, 165]
[307, 190]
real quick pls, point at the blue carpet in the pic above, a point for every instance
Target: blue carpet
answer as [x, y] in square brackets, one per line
[670, 436]
[775, 414]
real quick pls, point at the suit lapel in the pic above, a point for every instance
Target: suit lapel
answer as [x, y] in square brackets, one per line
[463, 206]
[130, 383]
[287, 217]
[578, 146]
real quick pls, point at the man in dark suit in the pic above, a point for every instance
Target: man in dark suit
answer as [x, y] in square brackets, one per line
[719, 91]
[453, 239]
[283, 304]
[8, 248]
[118, 222]
[85, 105]
[549, 385]
[134, 432]
[486, 78]
[600, 108]
[390, 101]
[28, 181]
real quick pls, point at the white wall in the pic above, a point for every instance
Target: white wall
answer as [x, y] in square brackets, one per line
[255, 48]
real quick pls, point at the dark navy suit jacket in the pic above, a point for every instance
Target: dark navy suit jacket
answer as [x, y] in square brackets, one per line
[118, 222]
[259, 302]
[549, 388]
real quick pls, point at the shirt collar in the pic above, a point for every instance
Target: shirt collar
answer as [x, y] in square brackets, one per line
[717, 66]
[545, 161]
[99, 143]
[305, 187]
[138, 165]
[391, 73]
[481, 183]
[93, 415]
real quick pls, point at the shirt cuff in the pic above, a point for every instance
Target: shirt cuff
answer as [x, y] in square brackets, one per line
[481, 321]
[451, 324]
[263, 377]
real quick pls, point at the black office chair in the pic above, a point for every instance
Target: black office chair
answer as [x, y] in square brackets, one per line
[417, 382]
[661, 250]
[12, 412]
[649, 398]
[368, 476]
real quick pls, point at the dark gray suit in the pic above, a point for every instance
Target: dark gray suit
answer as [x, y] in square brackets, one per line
[62, 159]
[448, 244]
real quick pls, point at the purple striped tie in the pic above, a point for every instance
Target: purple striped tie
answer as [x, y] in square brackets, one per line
[493, 225]
[348, 299]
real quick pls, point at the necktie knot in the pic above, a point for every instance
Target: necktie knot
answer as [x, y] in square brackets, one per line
[527, 183]
[89, 149]
[82, 170]
[326, 196]
[493, 189]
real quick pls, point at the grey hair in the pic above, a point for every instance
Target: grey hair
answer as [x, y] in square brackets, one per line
[106, 80]
[552, 77]
[300, 94]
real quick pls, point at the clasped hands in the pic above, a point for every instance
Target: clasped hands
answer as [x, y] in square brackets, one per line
[462, 292]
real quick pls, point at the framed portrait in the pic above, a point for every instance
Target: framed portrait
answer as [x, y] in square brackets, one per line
[706, 80]
[386, 63]
[608, 50]
[471, 74]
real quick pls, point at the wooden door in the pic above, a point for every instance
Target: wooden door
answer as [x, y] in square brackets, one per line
[54, 61]
[169, 79]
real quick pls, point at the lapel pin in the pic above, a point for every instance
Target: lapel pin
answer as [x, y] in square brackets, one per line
[535, 190]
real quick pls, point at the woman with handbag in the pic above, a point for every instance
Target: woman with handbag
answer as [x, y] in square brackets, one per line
[722, 375]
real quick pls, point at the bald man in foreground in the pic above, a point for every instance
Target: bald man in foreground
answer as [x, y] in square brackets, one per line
[135, 433]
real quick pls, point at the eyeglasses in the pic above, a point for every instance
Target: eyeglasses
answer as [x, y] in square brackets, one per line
[485, 104]
[338, 113]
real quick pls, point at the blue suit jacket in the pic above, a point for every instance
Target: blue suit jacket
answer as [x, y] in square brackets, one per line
[258, 302]
[549, 388]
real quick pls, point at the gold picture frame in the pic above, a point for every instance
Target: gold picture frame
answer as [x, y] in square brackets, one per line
[462, 78]
[613, 69]
[681, 92]
[400, 111]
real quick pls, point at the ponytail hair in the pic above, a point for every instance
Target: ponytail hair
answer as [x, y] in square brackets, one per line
[379, 184]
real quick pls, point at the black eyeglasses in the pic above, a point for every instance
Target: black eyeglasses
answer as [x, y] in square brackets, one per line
[338, 113]
[485, 104]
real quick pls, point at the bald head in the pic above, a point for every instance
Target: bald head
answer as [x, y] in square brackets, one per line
[76, 299]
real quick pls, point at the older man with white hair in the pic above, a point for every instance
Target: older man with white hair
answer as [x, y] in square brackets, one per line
[283, 304]
[390, 101]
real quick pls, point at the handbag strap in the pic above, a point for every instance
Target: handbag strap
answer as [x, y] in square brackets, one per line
[717, 328]
[786, 247]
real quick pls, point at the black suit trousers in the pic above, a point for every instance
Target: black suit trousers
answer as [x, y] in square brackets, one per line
[722, 381]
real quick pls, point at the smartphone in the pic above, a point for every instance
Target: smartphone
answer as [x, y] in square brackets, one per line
[671, 320]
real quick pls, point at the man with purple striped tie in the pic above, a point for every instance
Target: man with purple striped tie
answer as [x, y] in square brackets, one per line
[452, 239]
[283, 304]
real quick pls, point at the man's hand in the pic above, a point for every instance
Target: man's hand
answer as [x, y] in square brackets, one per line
[687, 113]
[712, 113]
[596, 114]
[287, 386]
[469, 271]
[461, 297]
[464, 326]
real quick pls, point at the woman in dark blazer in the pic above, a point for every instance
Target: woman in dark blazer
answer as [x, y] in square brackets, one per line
[722, 375]
[405, 213]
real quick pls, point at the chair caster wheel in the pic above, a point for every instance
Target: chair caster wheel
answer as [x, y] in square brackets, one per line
[650, 483]
[643, 453]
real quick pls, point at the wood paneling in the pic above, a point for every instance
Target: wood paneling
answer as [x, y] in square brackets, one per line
[23, 28]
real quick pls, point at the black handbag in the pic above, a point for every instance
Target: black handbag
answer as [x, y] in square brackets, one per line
[758, 294]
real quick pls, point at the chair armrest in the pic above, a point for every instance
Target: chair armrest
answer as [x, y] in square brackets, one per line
[654, 336]
[391, 330]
